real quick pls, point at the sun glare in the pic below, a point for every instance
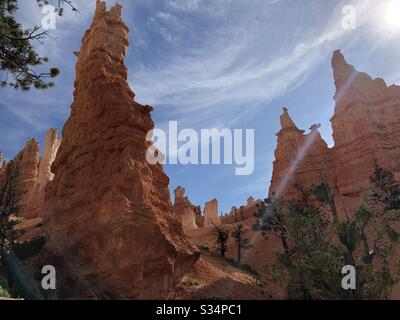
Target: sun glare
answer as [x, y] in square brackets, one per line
[393, 14]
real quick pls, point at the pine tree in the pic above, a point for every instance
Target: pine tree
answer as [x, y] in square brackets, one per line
[18, 59]
[222, 236]
[10, 198]
[317, 244]
[241, 243]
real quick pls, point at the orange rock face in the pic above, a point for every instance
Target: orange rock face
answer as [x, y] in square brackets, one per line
[249, 211]
[185, 210]
[35, 173]
[52, 143]
[366, 128]
[108, 211]
[28, 161]
[299, 159]
[3, 164]
[211, 213]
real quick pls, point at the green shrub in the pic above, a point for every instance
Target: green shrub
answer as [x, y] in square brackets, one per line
[242, 266]
[4, 293]
[29, 249]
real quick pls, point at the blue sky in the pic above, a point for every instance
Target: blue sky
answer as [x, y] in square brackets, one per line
[215, 64]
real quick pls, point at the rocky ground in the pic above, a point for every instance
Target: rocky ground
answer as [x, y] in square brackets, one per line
[262, 253]
[215, 278]
[212, 277]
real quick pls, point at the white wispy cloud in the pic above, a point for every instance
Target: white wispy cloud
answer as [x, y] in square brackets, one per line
[233, 69]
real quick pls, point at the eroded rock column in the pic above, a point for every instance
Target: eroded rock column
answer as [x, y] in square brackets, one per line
[108, 211]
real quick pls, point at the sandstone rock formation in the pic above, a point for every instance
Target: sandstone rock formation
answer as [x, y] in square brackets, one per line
[35, 173]
[28, 162]
[185, 210]
[211, 213]
[199, 216]
[299, 159]
[250, 210]
[108, 211]
[52, 143]
[3, 164]
[366, 128]
[251, 201]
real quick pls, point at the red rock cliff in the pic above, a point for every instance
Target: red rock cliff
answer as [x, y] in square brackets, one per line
[366, 128]
[108, 211]
[299, 158]
[28, 161]
[185, 210]
[44, 176]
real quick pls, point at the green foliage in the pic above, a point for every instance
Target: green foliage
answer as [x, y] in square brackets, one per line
[240, 242]
[10, 197]
[386, 192]
[4, 293]
[242, 266]
[221, 240]
[18, 59]
[29, 249]
[321, 193]
[316, 244]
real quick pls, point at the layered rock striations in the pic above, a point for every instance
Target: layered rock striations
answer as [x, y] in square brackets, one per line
[299, 158]
[28, 161]
[34, 173]
[211, 216]
[52, 143]
[108, 211]
[199, 216]
[185, 210]
[366, 129]
[248, 211]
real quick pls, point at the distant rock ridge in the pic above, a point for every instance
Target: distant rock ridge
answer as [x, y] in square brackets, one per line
[366, 128]
[243, 213]
[109, 220]
[34, 173]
